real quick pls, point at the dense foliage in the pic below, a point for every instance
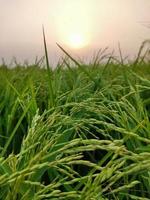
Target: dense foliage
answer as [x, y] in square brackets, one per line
[75, 132]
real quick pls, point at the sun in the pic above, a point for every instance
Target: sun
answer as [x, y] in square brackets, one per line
[74, 29]
[77, 41]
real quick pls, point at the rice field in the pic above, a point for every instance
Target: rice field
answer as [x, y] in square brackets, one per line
[77, 132]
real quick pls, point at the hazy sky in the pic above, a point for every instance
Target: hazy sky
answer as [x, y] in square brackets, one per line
[81, 26]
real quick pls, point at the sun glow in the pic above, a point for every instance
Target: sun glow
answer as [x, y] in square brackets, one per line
[73, 24]
[77, 41]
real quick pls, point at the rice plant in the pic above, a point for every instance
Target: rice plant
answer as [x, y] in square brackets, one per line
[75, 133]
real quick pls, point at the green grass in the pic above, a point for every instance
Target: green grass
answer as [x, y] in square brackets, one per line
[75, 132]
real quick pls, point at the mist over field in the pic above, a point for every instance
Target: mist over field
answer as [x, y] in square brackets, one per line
[99, 23]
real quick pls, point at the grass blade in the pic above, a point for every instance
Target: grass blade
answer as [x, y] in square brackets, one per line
[49, 73]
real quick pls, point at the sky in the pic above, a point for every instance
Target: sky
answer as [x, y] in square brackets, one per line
[82, 27]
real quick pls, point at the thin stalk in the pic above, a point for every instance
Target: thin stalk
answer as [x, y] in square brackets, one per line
[49, 73]
[77, 63]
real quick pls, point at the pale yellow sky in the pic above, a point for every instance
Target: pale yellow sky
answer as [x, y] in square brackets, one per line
[81, 26]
